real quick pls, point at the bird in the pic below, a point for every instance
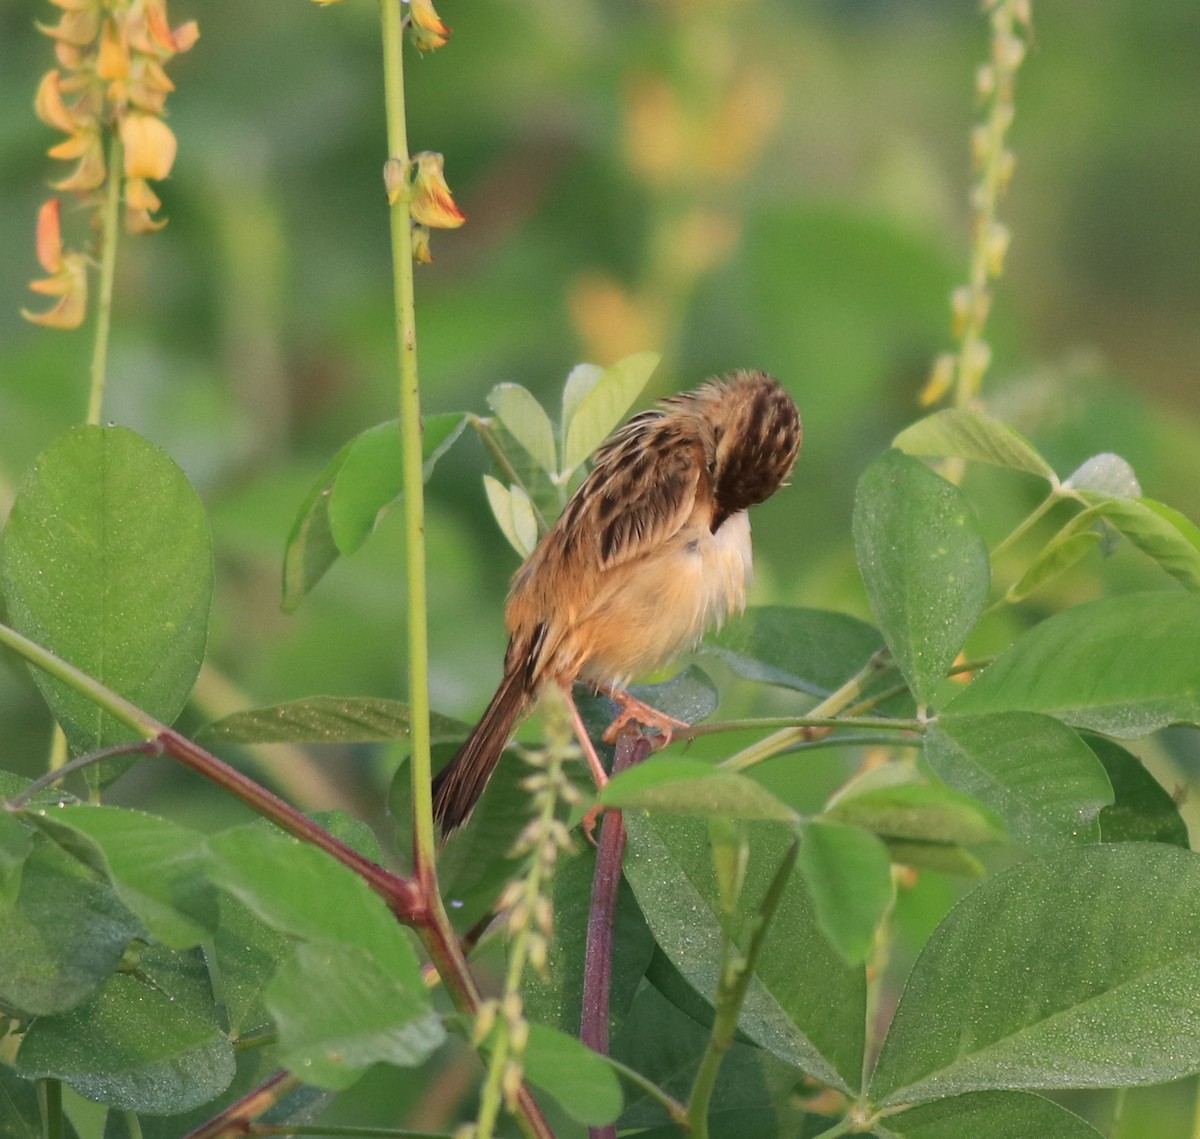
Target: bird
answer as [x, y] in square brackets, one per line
[651, 551]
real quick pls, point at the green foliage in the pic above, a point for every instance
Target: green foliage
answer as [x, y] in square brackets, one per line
[967, 844]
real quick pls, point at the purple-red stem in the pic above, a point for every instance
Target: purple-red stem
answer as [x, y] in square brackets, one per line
[632, 748]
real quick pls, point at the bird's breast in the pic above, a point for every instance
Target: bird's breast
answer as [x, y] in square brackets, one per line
[648, 611]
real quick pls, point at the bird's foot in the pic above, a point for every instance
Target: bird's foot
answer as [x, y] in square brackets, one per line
[638, 711]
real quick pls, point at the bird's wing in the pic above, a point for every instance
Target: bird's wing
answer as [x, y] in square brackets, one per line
[648, 482]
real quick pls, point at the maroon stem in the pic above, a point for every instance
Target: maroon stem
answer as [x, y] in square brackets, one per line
[632, 747]
[238, 1118]
[403, 895]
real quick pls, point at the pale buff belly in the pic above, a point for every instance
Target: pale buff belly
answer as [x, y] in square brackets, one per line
[647, 612]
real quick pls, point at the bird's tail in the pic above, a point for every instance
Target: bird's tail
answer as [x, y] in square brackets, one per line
[457, 787]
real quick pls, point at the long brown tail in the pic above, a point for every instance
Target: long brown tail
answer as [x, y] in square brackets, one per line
[457, 787]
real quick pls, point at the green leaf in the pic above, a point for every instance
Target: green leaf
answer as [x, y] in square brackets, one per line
[297, 889]
[924, 565]
[1124, 666]
[849, 875]
[16, 842]
[326, 720]
[344, 504]
[886, 801]
[339, 1010]
[20, 1109]
[580, 381]
[1068, 546]
[1159, 532]
[990, 1115]
[1108, 475]
[811, 650]
[63, 936]
[666, 1046]
[1032, 770]
[805, 1005]
[527, 422]
[156, 866]
[693, 787]
[1142, 810]
[135, 1047]
[1077, 970]
[582, 1082]
[961, 434]
[107, 562]
[248, 954]
[557, 998]
[514, 514]
[604, 405]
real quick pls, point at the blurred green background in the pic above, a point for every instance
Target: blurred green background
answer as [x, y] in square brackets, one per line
[777, 185]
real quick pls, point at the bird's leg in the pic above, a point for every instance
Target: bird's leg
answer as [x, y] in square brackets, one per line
[633, 709]
[585, 741]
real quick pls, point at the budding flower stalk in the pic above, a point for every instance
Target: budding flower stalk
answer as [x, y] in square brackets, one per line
[110, 87]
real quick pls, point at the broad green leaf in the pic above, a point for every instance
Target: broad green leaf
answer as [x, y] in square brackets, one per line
[849, 875]
[514, 514]
[805, 1005]
[580, 381]
[886, 801]
[582, 1082]
[924, 565]
[1142, 810]
[666, 1046]
[248, 954]
[527, 422]
[107, 562]
[693, 787]
[339, 1010]
[1124, 666]
[16, 842]
[1077, 970]
[1159, 532]
[811, 650]
[961, 434]
[156, 866]
[362, 479]
[326, 719]
[20, 1109]
[1108, 475]
[1032, 770]
[990, 1115]
[136, 1047]
[63, 936]
[1068, 546]
[557, 998]
[604, 405]
[297, 889]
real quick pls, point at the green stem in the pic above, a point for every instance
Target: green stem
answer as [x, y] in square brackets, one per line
[787, 738]
[50, 1102]
[676, 1110]
[732, 986]
[110, 229]
[879, 723]
[410, 431]
[1034, 518]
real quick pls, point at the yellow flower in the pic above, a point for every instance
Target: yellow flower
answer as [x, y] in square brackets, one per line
[68, 274]
[428, 31]
[149, 146]
[431, 203]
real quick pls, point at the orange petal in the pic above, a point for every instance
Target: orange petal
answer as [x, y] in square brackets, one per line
[50, 106]
[149, 146]
[70, 285]
[421, 252]
[49, 235]
[88, 174]
[139, 196]
[432, 203]
[112, 62]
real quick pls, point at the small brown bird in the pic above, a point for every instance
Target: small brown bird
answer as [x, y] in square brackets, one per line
[651, 551]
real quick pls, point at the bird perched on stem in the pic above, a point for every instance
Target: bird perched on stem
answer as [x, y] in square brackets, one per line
[651, 551]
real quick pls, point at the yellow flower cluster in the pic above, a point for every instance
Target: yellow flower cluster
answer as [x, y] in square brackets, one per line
[110, 77]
